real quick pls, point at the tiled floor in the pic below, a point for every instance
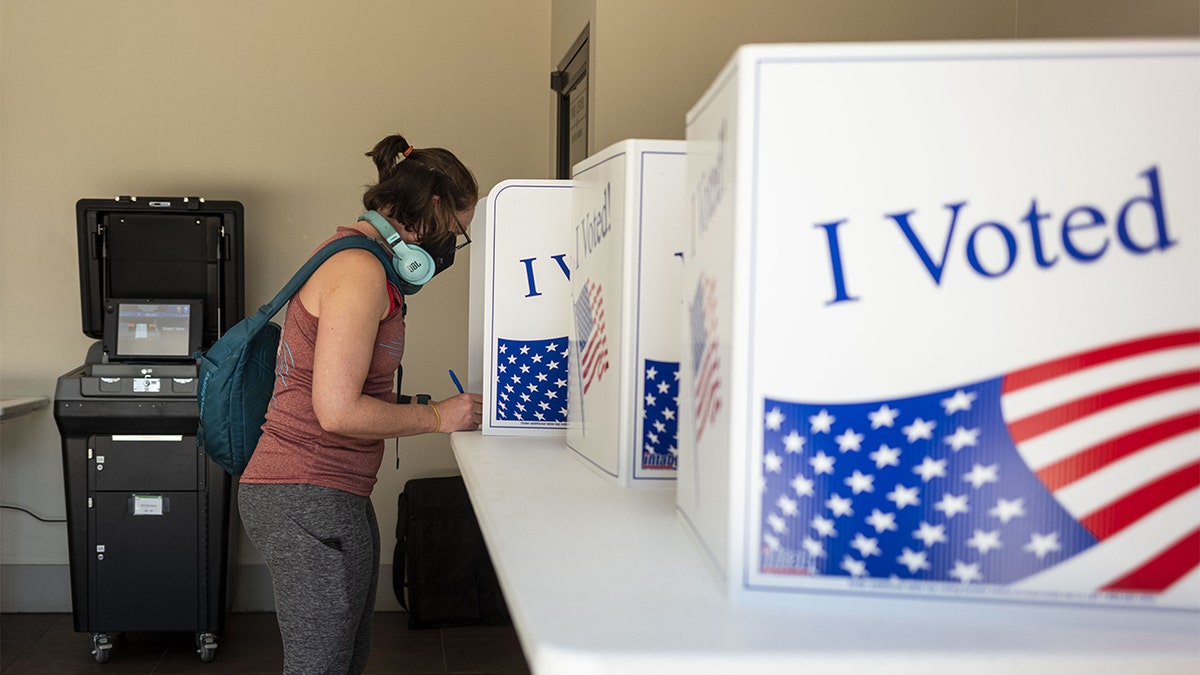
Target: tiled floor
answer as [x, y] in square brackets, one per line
[48, 643]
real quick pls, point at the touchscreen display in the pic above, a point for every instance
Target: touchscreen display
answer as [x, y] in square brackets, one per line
[145, 329]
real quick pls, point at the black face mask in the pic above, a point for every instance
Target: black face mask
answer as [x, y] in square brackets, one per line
[442, 253]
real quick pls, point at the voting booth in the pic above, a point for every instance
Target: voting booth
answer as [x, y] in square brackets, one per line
[626, 235]
[520, 295]
[943, 308]
[147, 512]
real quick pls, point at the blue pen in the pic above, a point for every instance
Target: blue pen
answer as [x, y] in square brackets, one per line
[456, 382]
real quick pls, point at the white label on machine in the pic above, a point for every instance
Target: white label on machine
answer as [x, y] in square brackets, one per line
[147, 437]
[147, 385]
[147, 505]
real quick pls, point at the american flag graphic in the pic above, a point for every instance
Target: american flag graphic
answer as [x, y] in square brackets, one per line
[591, 334]
[1082, 473]
[660, 415]
[531, 380]
[706, 362]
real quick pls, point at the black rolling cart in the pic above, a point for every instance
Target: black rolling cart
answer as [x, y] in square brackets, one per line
[147, 512]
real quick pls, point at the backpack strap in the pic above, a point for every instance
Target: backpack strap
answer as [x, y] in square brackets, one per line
[290, 289]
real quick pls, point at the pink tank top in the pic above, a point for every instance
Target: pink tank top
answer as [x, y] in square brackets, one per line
[293, 447]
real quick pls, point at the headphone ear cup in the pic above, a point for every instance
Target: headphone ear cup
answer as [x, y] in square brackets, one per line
[413, 263]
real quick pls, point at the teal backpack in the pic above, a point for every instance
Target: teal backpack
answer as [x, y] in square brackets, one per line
[237, 374]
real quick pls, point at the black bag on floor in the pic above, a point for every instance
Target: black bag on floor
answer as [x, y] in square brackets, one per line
[441, 558]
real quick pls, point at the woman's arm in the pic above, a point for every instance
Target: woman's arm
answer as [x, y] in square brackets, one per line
[349, 295]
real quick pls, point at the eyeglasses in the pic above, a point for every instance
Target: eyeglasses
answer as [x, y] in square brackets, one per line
[462, 238]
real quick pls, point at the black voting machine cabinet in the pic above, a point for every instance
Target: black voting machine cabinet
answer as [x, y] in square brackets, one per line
[147, 512]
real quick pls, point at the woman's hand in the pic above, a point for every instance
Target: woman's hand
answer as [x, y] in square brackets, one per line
[463, 412]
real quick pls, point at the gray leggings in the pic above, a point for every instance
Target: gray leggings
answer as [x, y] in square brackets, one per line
[322, 549]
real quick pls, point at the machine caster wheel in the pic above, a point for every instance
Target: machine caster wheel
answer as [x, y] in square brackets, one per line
[206, 646]
[101, 647]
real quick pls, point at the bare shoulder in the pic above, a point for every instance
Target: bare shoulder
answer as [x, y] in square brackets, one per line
[350, 274]
[355, 261]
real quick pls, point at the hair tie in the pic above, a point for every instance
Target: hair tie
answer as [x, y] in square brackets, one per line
[402, 156]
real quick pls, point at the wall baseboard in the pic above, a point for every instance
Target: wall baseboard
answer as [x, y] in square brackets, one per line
[47, 589]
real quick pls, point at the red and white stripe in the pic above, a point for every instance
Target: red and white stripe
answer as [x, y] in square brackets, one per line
[708, 376]
[1114, 433]
[595, 352]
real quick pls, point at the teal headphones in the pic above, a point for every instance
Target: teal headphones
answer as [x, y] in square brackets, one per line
[413, 264]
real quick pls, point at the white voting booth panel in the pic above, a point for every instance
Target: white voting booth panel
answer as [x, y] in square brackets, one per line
[521, 296]
[943, 308]
[627, 241]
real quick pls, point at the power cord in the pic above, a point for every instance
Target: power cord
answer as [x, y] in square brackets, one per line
[44, 520]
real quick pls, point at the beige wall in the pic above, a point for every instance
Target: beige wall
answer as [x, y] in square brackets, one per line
[268, 102]
[650, 61]
[273, 102]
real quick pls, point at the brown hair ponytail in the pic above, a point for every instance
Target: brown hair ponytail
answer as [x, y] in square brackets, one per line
[410, 177]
